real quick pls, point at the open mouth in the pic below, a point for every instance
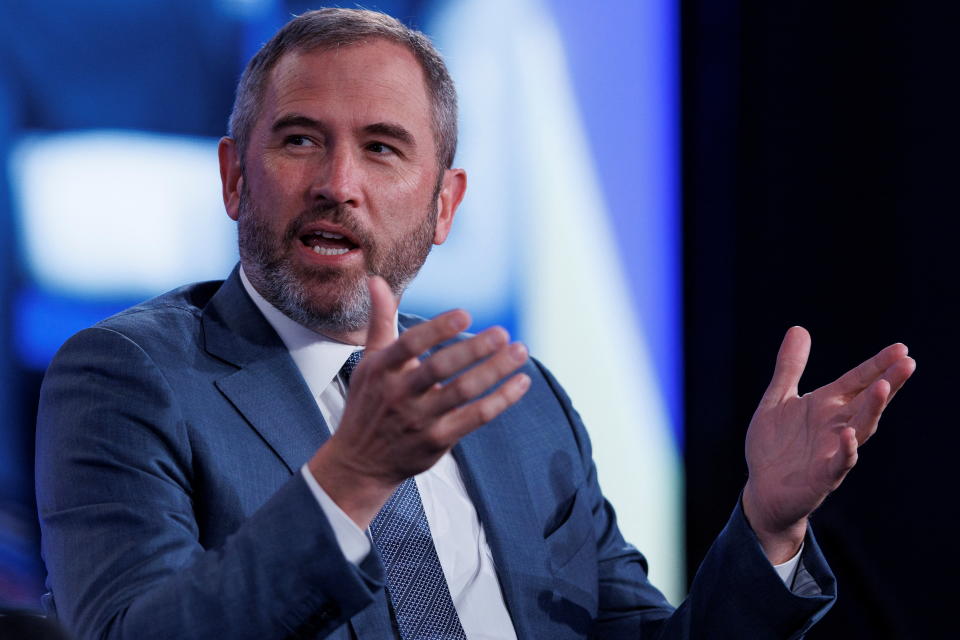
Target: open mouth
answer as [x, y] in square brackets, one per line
[327, 243]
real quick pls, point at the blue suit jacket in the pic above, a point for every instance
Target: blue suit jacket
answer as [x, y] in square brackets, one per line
[169, 441]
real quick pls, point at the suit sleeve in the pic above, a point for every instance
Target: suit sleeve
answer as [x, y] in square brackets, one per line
[736, 592]
[119, 534]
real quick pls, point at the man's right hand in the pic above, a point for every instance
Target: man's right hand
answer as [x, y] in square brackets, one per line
[402, 414]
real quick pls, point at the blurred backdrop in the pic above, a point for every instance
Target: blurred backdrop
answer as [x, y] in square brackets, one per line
[111, 115]
[650, 249]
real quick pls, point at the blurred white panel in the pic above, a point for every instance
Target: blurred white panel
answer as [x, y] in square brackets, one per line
[473, 269]
[526, 152]
[119, 213]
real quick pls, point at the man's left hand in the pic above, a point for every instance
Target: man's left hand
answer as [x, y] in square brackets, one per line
[799, 448]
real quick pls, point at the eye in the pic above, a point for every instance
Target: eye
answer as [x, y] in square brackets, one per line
[379, 148]
[298, 141]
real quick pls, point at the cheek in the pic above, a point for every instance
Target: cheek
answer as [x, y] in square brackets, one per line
[408, 182]
[277, 179]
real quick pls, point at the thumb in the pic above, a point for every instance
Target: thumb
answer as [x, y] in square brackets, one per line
[791, 361]
[383, 309]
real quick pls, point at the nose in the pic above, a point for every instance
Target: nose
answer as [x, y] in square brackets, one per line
[337, 179]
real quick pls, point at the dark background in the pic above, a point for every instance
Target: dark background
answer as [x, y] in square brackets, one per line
[820, 145]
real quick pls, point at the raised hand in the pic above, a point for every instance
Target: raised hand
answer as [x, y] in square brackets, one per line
[403, 414]
[800, 448]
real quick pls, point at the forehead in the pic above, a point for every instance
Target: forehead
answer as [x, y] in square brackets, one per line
[371, 81]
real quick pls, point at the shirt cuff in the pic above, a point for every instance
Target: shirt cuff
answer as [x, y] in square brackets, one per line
[787, 571]
[353, 542]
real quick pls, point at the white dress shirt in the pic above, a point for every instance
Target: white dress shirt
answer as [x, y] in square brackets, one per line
[457, 532]
[458, 535]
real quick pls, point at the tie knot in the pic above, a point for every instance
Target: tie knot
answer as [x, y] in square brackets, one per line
[347, 369]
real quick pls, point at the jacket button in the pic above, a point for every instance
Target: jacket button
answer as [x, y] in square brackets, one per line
[328, 611]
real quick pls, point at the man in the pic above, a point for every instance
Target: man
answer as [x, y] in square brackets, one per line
[188, 484]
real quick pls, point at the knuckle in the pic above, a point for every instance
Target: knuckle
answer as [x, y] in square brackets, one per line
[405, 345]
[434, 442]
[461, 388]
[480, 345]
[514, 392]
[505, 364]
[401, 419]
[408, 422]
[487, 411]
[433, 368]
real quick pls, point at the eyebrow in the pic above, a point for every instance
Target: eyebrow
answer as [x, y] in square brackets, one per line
[295, 120]
[388, 129]
[391, 130]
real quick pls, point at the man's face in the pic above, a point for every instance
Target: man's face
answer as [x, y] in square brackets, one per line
[340, 180]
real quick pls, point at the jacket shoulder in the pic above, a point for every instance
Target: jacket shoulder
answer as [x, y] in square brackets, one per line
[186, 301]
[167, 323]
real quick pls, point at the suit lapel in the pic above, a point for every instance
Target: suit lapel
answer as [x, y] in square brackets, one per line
[493, 474]
[267, 389]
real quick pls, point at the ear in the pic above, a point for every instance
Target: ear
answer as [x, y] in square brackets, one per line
[231, 175]
[451, 194]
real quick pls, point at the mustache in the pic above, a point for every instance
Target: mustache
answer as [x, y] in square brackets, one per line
[337, 214]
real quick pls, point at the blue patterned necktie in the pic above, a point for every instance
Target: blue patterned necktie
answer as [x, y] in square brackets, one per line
[418, 591]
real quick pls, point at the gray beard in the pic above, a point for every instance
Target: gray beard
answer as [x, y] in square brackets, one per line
[279, 286]
[268, 266]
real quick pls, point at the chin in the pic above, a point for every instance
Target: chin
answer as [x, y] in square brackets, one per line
[333, 306]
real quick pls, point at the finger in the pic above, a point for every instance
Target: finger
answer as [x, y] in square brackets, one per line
[864, 374]
[866, 420]
[476, 381]
[446, 362]
[895, 375]
[898, 373]
[791, 361]
[383, 310]
[417, 340]
[474, 415]
[846, 455]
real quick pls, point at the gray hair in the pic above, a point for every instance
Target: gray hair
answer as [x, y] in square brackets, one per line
[328, 28]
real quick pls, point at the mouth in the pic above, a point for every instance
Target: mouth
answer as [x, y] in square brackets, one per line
[326, 240]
